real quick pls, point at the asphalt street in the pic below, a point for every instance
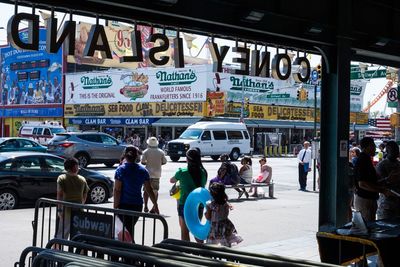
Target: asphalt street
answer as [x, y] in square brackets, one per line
[285, 225]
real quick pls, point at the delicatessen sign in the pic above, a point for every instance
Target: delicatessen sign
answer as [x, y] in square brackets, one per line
[137, 109]
[140, 85]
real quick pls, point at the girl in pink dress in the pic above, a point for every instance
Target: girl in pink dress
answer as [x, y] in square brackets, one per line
[222, 232]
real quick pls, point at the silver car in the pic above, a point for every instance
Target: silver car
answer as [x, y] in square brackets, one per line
[87, 147]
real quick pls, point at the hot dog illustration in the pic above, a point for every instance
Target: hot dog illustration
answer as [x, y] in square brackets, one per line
[135, 85]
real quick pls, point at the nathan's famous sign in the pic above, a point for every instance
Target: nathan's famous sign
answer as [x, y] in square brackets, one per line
[97, 41]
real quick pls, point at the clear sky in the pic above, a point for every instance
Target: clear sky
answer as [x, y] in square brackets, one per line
[373, 87]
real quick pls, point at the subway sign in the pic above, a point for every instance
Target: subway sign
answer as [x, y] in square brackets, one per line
[254, 63]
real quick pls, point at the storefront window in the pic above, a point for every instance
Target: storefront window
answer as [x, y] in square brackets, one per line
[138, 131]
[166, 133]
[89, 128]
[116, 132]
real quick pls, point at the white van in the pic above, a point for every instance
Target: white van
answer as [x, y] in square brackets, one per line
[212, 139]
[40, 131]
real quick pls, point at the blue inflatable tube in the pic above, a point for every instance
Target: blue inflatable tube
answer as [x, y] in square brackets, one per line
[191, 213]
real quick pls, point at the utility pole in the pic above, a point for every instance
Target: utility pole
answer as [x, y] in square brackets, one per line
[242, 106]
[315, 76]
[315, 137]
[396, 128]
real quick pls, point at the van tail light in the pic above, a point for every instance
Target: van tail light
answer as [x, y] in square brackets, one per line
[66, 145]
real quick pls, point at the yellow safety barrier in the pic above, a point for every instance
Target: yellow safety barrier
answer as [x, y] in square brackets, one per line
[275, 149]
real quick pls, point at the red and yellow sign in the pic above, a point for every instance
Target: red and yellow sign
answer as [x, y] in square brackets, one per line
[215, 104]
[174, 109]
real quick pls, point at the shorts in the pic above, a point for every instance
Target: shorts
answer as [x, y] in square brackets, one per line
[181, 213]
[155, 184]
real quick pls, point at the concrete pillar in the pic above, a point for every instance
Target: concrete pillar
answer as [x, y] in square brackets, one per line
[335, 112]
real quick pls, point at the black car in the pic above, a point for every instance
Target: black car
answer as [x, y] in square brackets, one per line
[27, 176]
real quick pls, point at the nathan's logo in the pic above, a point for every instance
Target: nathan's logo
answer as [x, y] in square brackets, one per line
[355, 90]
[89, 110]
[96, 82]
[249, 85]
[176, 78]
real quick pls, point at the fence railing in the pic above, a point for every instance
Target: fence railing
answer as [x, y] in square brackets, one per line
[92, 219]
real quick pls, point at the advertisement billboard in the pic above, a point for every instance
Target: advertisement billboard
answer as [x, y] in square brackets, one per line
[31, 77]
[139, 85]
[260, 90]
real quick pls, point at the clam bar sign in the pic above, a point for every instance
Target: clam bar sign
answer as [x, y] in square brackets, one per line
[91, 223]
[254, 63]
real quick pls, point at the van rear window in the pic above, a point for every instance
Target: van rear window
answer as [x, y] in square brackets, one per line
[235, 135]
[61, 137]
[219, 135]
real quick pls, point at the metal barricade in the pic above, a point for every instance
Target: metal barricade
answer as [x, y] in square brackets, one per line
[149, 229]
[234, 255]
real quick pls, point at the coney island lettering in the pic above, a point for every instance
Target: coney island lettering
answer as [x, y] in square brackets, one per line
[98, 42]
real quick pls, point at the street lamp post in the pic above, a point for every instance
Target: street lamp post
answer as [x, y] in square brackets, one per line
[315, 77]
[242, 106]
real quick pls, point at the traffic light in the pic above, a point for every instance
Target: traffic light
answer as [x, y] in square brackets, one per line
[306, 95]
[247, 102]
[298, 95]
[319, 70]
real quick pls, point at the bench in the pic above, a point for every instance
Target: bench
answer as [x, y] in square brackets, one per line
[243, 186]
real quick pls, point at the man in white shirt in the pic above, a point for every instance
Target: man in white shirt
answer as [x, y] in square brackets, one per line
[304, 158]
[153, 158]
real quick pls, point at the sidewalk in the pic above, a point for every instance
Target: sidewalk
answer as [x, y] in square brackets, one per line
[301, 248]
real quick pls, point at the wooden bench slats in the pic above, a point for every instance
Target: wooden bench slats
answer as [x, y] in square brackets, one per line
[240, 186]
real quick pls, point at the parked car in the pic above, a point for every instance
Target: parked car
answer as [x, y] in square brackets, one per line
[8, 144]
[87, 147]
[28, 176]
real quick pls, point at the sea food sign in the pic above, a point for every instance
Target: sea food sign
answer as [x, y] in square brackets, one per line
[280, 66]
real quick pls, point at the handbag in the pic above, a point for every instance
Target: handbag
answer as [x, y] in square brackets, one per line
[262, 177]
[120, 232]
[175, 189]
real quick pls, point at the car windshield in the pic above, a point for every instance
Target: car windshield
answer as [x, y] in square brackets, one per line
[2, 140]
[191, 134]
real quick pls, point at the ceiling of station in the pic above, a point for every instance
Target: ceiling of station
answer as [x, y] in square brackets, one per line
[370, 25]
